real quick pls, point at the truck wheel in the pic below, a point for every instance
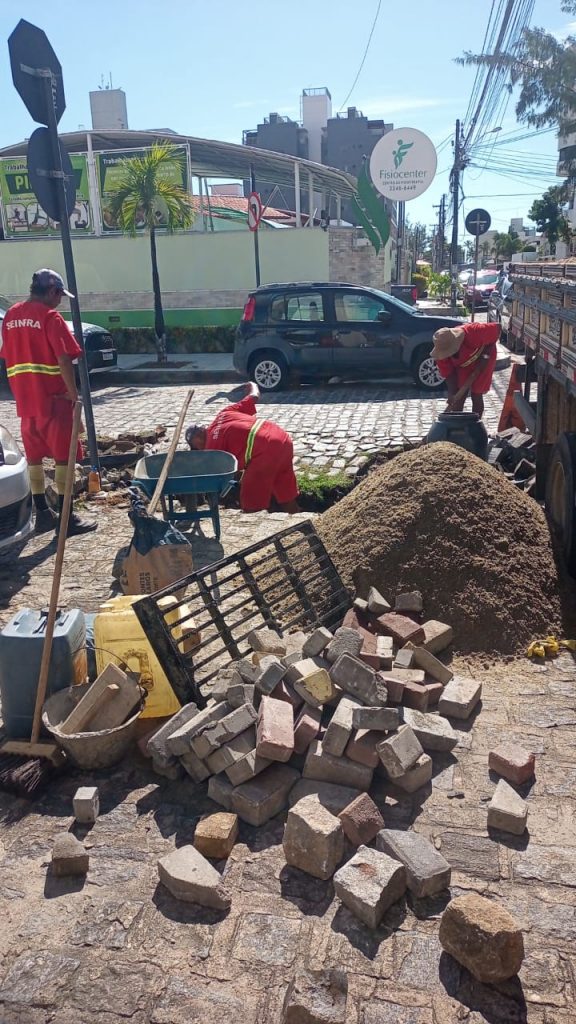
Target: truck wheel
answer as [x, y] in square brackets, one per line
[561, 496]
[268, 370]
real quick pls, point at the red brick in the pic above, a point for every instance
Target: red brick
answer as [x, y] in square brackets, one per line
[400, 628]
[415, 696]
[356, 620]
[361, 820]
[275, 730]
[362, 747]
[285, 691]
[435, 691]
[306, 728]
[512, 762]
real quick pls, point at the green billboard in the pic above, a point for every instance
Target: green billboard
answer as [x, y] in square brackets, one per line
[110, 171]
[23, 215]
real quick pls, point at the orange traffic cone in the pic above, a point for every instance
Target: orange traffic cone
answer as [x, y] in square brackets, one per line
[510, 416]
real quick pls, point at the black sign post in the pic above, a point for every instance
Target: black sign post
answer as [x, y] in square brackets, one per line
[477, 223]
[37, 75]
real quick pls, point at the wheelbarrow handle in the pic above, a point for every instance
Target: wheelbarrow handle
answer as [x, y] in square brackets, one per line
[170, 456]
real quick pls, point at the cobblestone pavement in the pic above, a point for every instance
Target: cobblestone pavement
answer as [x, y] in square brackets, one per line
[116, 947]
[334, 427]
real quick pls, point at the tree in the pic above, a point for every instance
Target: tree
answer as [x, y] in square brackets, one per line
[145, 194]
[547, 213]
[544, 68]
[505, 244]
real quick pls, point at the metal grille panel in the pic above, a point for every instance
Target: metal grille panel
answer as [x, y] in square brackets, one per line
[286, 582]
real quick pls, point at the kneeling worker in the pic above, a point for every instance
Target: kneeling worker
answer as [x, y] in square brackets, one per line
[264, 452]
[466, 357]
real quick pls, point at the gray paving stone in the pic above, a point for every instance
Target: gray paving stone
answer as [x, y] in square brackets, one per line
[433, 731]
[357, 679]
[191, 878]
[399, 752]
[157, 745]
[339, 728]
[313, 838]
[379, 719]
[369, 884]
[316, 997]
[231, 725]
[316, 642]
[460, 697]
[179, 741]
[427, 871]
[507, 811]
[344, 641]
[265, 796]
[326, 767]
[333, 797]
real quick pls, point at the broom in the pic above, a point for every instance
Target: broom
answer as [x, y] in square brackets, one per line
[26, 767]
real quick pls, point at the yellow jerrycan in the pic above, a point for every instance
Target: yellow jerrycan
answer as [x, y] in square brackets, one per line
[119, 637]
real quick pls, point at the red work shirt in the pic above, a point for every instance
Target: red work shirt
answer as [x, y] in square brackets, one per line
[229, 431]
[33, 337]
[476, 337]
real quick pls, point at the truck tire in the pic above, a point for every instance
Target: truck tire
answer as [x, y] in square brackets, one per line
[561, 496]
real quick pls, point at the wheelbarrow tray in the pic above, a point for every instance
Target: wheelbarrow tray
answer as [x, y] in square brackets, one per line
[207, 472]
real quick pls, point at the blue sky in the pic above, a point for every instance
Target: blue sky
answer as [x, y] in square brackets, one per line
[212, 71]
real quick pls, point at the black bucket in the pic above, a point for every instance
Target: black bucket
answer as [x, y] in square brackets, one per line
[465, 429]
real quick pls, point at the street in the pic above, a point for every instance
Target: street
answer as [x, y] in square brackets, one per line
[334, 427]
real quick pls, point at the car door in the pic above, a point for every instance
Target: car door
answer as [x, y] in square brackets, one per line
[366, 334]
[299, 320]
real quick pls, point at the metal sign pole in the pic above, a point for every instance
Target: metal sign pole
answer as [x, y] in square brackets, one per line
[49, 85]
[476, 246]
[255, 233]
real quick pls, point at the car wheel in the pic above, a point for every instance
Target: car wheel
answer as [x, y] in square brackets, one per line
[268, 370]
[425, 371]
[561, 496]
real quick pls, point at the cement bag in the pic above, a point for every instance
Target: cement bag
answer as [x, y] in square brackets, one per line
[158, 554]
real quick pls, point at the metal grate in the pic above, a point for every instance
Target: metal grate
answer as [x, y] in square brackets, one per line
[287, 582]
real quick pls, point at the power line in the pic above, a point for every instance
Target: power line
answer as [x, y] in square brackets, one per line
[358, 73]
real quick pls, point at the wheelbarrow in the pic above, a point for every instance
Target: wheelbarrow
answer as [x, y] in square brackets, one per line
[192, 473]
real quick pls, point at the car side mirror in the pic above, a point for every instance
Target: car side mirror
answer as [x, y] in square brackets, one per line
[384, 316]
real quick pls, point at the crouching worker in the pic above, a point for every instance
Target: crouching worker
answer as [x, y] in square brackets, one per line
[264, 452]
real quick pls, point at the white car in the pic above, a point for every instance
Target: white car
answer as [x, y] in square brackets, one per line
[16, 523]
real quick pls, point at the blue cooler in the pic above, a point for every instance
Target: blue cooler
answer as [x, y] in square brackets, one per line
[21, 644]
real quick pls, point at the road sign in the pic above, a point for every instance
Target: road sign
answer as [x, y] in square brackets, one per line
[31, 52]
[254, 211]
[43, 176]
[403, 164]
[478, 222]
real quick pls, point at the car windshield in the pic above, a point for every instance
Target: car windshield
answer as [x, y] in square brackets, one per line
[393, 301]
[486, 279]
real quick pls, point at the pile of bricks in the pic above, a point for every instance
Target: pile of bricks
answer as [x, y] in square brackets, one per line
[307, 722]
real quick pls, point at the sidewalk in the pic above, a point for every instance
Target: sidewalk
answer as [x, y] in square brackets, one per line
[199, 367]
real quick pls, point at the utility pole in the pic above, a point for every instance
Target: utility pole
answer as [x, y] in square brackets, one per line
[441, 233]
[455, 183]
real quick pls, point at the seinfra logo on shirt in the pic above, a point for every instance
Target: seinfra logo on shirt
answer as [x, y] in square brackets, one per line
[23, 323]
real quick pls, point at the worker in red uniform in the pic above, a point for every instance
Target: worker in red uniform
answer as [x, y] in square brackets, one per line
[38, 348]
[264, 452]
[466, 357]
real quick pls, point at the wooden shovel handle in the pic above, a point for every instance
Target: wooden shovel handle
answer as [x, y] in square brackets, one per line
[170, 455]
[55, 592]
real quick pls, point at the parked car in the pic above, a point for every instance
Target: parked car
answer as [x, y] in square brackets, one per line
[318, 331]
[500, 307]
[101, 351]
[15, 496]
[486, 281]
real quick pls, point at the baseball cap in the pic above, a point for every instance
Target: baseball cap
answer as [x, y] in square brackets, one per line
[48, 279]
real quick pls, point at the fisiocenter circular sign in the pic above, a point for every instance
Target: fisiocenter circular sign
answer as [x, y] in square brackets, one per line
[403, 164]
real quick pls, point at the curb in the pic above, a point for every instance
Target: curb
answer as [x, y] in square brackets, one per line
[150, 378]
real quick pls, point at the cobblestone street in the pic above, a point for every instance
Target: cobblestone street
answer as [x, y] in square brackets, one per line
[333, 426]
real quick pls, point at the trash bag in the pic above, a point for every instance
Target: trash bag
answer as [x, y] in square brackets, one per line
[158, 554]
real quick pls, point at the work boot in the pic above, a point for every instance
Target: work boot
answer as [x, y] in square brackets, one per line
[45, 520]
[78, 526]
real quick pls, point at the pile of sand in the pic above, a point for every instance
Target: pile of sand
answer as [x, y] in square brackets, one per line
[441, 521]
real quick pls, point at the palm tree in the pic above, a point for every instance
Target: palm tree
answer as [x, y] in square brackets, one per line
[145, 194]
